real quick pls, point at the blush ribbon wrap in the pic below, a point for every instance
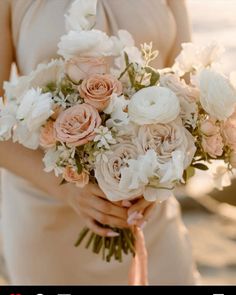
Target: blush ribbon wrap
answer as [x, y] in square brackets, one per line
[138, 273]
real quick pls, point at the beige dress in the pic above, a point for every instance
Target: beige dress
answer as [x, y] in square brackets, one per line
[38, 231]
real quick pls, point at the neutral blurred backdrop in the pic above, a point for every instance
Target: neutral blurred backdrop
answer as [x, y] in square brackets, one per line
[209, 215]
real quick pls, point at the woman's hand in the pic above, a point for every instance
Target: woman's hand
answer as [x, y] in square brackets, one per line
[140, 212]
[91, 203]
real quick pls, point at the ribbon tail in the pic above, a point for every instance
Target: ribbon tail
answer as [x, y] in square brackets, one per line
[138, 274]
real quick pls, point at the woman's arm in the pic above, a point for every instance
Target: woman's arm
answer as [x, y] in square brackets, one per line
[179, 10]
[88, 202]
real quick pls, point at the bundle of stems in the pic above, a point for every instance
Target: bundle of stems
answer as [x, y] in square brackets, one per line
[110, 247]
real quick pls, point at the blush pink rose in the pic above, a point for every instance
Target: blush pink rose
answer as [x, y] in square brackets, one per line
[229, 132]
[97, 90]
[79, 68]
[47, 135]
[76, 125]
[208, 127]
[72, 176]
[213, 145]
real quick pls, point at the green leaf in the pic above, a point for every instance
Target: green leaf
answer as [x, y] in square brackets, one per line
[155, 76]
[79, 166]
[188, 173]
[200, 166]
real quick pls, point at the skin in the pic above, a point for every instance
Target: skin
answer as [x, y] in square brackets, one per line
[89, 202]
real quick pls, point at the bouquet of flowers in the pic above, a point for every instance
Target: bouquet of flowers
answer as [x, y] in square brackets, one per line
[103, 114]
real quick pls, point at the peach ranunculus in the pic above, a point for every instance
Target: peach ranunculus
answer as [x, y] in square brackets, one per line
[47, 135]
[208, 127]
[229, 132]
[97, 90]
[76, 125]
[79, 68]
[213, 145]
[72, 176]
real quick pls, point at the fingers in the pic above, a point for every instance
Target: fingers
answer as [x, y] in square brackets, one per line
[107, 207]
[95, 190]
[139, 206]
[146, 215]
[105, 219]
[104, 232]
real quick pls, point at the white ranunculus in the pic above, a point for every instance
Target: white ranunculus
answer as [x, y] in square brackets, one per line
[43, 75]
[92, 43]
[116, 109]
[196, 57]
[154, 105]
[34, 109]
[80, 15]
[217, 95]
[108, 172]
[7, 119]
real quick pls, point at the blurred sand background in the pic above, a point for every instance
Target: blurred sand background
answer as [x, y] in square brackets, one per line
[213, 237]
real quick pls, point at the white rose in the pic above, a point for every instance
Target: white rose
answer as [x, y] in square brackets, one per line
[80, 15]
[7, 119]
[34, 109]
[217, 95]
[108, 172]
[92, 43]
[153, 105]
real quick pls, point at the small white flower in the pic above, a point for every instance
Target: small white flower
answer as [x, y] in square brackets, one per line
[104, 137]
[116, 109]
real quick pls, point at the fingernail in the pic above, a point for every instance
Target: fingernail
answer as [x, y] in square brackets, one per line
[112, 234]
[126, 204]
[131, 217]
[143, 224]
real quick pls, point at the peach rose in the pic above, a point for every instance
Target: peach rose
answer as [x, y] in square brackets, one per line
[97, 90]
[79, 68]
[47, 135]
[75, 126]
[208, 127]
[229, 132]
[72, 176]
[213, 145]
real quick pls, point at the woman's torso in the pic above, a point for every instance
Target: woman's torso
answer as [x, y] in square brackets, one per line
[38, 24]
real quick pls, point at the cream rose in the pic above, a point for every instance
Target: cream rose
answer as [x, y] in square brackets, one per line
[76, 126]
[72, 176]
[153, 105]
[174, 147]
[79, 68]
[47, 135]
[97, 90]
[108, 172]
[217, 95]
[213, 145]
